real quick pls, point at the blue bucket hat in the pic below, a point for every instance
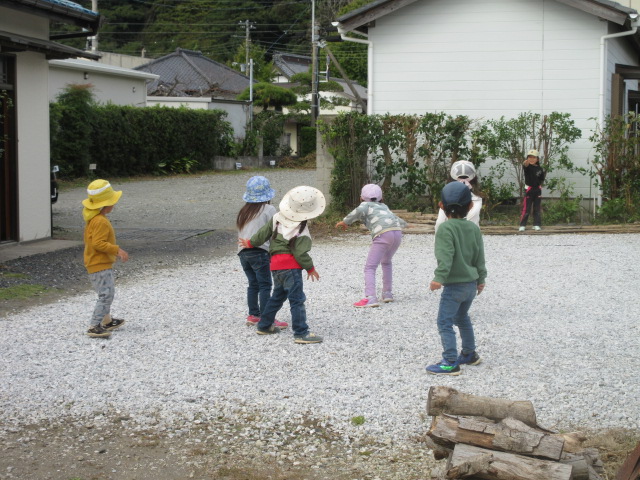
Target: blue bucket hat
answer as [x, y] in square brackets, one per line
[456, 193]
[258, 190]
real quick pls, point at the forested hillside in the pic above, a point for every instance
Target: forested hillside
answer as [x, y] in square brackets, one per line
[218, 28]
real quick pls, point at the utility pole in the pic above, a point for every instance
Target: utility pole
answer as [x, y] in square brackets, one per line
[248, 27]
[94, 39]
[314, 66]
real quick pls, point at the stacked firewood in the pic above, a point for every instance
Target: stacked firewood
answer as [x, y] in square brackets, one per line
[498, 439]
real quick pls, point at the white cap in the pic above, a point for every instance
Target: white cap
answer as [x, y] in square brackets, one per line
[463, 168]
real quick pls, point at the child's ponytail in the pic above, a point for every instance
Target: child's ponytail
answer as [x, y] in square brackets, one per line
[302, 226]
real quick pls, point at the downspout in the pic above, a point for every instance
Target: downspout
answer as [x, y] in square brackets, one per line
[369, 43]
[603, 70]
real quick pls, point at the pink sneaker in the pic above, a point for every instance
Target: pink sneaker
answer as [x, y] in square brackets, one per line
[367, 302]
[280, 324]
[252, 320]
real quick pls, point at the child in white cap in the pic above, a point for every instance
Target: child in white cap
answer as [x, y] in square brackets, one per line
[100, 252]
[534, 176]
[386, 230]
[289, 248]
[256, 212]
[464, 171]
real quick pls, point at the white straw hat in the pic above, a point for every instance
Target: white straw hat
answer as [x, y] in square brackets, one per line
[299, 204]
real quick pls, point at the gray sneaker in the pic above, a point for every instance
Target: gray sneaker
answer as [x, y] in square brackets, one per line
[98, 331]
[308, 338]
[269, 331]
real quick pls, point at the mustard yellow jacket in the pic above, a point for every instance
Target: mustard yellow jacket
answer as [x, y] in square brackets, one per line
[100, 247]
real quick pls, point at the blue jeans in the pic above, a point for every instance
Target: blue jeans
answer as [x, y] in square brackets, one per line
[255, 263]
[287, 284]
[454, 307]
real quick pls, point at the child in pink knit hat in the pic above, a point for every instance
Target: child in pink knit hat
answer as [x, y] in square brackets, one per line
[386, 230]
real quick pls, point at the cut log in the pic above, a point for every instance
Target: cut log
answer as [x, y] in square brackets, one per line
[439, 452]
[630, 469]
[585, 465]
[507, 466]
[508, 435]
[471, 467]
[448, 400]
[572, 441]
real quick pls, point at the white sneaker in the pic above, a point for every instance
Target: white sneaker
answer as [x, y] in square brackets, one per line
[536, 228]
[521, 229]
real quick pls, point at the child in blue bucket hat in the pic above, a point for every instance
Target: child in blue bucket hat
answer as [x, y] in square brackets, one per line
[256, 212]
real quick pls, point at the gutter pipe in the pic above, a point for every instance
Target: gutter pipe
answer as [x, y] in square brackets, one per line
[369, 43]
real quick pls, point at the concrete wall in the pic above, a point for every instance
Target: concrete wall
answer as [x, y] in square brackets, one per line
[229, 163]
[32, 102]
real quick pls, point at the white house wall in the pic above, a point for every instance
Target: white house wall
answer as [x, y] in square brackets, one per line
[106, 88]
[34, 204]
[491, 59]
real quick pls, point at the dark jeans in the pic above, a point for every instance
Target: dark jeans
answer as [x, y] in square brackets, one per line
[532, 199]
[455, 301]
[287, 284]
[255, 263]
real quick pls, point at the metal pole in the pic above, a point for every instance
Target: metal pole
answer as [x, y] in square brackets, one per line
[251, 94]
[314, 67]
[94, 39]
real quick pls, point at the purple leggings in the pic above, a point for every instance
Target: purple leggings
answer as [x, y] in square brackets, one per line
[381, 252]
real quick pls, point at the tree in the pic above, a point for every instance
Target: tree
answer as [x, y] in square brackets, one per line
[269, 95]
[262, 69]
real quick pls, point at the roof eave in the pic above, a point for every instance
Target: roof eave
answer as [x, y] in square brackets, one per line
[362, 17]
[58, 12]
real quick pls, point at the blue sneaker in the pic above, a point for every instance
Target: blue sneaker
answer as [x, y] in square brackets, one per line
[444, 367]
[469, 359]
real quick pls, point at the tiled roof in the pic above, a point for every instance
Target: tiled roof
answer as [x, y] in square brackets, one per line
[290, 64]
[71, 5]
[188, 73]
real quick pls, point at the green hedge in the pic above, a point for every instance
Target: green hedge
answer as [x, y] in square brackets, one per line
[123, 140]
[307, 141]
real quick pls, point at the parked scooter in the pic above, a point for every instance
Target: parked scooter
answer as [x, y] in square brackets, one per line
[54, 184]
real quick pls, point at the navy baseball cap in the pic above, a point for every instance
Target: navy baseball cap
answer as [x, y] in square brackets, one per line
[456, 193]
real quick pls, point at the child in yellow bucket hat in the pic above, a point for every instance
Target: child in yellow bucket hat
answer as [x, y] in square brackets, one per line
[100, 252]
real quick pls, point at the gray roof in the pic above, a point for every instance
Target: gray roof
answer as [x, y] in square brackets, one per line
[188, 73]
[360, 18]
[290, 64]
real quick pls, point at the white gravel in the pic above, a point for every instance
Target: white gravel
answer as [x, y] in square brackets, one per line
[558, 324]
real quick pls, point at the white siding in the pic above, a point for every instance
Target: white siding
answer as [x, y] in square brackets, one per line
[491, 59]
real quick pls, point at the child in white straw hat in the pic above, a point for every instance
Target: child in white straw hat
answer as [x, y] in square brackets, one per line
[100, 252]
[289, 248]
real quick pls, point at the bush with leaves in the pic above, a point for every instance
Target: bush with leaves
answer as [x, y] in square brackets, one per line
[70, 120]
[509, 140]
[617, 167]
[269, 125]
[349, 137]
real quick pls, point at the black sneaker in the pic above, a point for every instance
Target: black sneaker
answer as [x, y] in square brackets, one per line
[269, 331]
[308, 338]
[469, 359]
[113, 324]
[98, 331]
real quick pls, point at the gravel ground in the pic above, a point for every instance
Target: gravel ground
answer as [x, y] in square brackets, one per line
[556, 325]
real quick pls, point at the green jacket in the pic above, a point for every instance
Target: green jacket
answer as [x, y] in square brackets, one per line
[459, 251]
[278, 246]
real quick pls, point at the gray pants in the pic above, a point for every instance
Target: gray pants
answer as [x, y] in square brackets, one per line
[104, 286]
